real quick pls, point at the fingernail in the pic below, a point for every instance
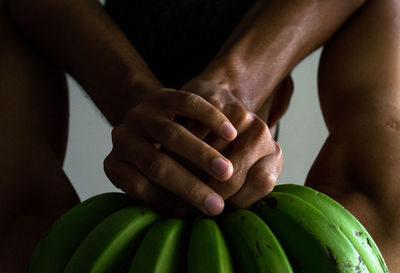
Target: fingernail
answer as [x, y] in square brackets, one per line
[228, 130]
[214, 204]
[220, 166]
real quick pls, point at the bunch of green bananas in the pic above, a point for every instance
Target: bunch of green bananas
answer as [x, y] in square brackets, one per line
[293, 229]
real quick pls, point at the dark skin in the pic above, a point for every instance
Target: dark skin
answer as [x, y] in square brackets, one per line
[358, 163]
[232, 83]
[241, 82]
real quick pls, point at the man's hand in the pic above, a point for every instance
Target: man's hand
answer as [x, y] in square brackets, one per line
[138, 166]
[256, 157]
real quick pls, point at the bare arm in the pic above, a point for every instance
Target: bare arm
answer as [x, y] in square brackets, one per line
[82, 39]
[359, 92]
[265, 46]
[270, 40]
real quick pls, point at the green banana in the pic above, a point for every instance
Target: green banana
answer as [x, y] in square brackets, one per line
[56, 249]
[111, 245]
[347, 223]
[309, 239]
[162, 249]
[208, 250]
[254, 246]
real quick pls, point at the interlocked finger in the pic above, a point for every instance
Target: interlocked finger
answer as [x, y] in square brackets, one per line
[127, 178]
[195, 107]
[180, 141]
[254, 144]
[259, 182]
[167, 173]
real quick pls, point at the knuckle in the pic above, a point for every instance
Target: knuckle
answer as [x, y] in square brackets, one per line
[204, 153]
[213, 113]
[191, 191]
[116, 134]
[241, 116]
[213, 100]
[169, 132]
[264, 181]
[139, 188]
[132, 115]
[278, 151]
[262, 129]
[240, 168]
[136, 186]
[272, 148]
[156, 168]
[193, 100]
[166, 96]
[136, 117]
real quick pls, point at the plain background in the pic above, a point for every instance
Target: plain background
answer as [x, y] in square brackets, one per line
[301, 137]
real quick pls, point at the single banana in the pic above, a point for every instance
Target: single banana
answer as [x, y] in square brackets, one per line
[309, 239]
[254, 246]
[111, 246]
[163, 249]
[347, 223]
[56, 249]
[208, 250]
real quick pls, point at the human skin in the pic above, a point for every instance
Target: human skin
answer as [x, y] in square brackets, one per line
[120, 77]
[358, 164]
[41, 22]
[240, 78]
[34, 190]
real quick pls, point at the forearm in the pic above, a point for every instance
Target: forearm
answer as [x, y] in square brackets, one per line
[81, 38]
[270, 40]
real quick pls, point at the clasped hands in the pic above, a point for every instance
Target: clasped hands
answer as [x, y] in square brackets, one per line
[197, 147]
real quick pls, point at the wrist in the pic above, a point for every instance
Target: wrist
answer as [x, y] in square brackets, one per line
[139, 86]
[130, 91]
[232, 73]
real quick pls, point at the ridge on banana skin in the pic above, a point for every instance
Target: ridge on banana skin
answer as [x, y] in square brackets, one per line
[315, 244]
[347, 223]
[112, 244]
[56, 249]
[206, 237]
[253, 245]
[162, 248]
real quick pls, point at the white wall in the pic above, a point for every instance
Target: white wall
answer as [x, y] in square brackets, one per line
[302, 134]
[303, 129]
